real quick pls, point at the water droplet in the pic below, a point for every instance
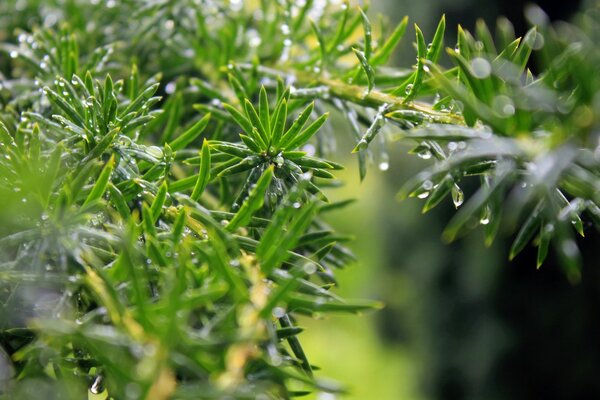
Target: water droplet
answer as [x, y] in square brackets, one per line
[485, 217]
[255, 40]
[279, 161]
[278, 312]
[408, 88]
[504, 105]
[362, 144]
[236, 5]
[326, 396]
[481, 68]
[423, 195]
[458, 196]
[569, 247]
[98, 385]
[276, 361]
[132, 390]
[508, 109]
[170, 88]
[425, 154]
[310, 268]
[14, 54]
[384, 162]
[538, 42]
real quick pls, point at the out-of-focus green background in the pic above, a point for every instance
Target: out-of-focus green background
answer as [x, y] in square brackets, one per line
[461, 322]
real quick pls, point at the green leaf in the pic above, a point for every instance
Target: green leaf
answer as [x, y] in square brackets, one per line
[312, 162]
[263, 109]
[102, 182]
[369, 72]
[253, 203]
[419, 73]
[34, 144]
[438, 193]
[339, 35]
[255, 120]
[238, 88]
[230, 148]
[546, 232]
[248, 141]
[485, 36]
[119, 202]
[174, 111]
[297, 125]
[468, 210]
[239, 118]
[383, 54]
[190, 134]
[435, 48]
[279, 123]
[368, 46]
[526, 232]
[204, 173]
[321, 41]
[307, 133]
[236, 166]
[133, 84]
[315, 304]
[374, 129]
[569, 212]
[159, 201]
[271, 254]
[137, 104]
[521, 56]
[67, 108]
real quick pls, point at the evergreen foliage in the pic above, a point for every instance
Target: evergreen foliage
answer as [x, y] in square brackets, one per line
[163, 166]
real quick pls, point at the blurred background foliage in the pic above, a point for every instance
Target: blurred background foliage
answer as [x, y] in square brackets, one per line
[461, 321]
